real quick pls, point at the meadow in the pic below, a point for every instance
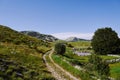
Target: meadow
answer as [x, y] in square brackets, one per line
[21, 58]
[69, 59]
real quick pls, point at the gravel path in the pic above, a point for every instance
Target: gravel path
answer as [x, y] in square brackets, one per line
[51, 69]
[58, 72]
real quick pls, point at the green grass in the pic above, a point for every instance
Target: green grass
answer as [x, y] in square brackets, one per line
[80, 74]
[81, 44]
[21, 62]
[21, 56]
[84, 59]
[115, 70]
[105, 57]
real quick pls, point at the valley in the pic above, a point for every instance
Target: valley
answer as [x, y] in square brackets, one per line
[24, 57]
[59, 39]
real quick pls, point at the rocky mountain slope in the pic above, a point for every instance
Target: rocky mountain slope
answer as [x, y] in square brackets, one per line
[40, 36]
[74, 39]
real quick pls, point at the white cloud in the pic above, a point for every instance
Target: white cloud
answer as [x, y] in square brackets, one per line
[72, 34]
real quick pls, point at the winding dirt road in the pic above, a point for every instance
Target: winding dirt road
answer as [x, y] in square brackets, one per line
[58, 72]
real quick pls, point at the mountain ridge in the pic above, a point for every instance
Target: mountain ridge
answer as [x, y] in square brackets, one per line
[75, 39]
[38, 35]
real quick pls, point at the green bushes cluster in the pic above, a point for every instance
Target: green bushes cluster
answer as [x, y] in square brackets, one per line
[60, 48]
[99, 67]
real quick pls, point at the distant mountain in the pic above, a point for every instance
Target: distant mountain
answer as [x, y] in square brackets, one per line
[40, 36]
[74, 39]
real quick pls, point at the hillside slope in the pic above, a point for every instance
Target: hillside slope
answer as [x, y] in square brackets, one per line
[21, 56]
[40, 36]
[9, 35]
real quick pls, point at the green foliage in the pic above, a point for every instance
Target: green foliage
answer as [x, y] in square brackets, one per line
[60, 48]
[100, 66]
[105, 41]
[70, 45]
[80, 74]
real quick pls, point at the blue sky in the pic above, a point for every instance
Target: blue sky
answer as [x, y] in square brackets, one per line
[62, 18]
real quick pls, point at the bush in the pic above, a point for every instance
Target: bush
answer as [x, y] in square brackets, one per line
[106, 41]
[100, 66]
[70, 45]
[60, 48]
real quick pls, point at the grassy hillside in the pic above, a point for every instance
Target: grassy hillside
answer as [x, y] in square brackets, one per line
[9, 35]
[21, 56]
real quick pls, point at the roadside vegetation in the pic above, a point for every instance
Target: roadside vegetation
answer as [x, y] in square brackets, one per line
[64, 64]
[100, 68]
[69, 60]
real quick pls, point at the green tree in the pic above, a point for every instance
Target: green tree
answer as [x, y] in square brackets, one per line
[105, 41]
[60, 48]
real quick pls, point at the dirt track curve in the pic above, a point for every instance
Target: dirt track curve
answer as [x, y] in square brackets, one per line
[58, 72]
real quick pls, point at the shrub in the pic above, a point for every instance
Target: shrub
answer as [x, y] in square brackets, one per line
[60, 48]
[70, 45]
[100, 66]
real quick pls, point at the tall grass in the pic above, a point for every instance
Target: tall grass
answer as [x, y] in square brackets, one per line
[19, 62]
[80, 74]
[115, 70]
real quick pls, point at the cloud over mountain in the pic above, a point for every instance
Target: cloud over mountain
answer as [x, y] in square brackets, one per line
[73, 34]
